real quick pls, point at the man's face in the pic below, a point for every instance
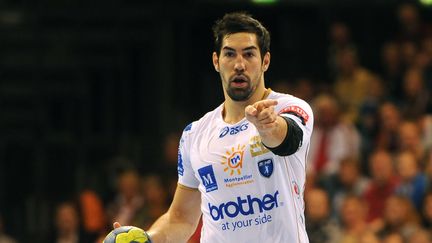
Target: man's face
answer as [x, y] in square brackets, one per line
[240, 65]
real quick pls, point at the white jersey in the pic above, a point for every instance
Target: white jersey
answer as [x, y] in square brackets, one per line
[248, 194]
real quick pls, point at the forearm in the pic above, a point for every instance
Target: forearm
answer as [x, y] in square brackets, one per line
[181, 220]
[286, 141]
[167, 229]
[274, 136]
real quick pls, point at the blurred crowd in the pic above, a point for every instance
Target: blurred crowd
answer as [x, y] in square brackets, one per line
[369, 171]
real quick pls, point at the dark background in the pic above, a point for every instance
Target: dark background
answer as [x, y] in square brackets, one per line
[84, 82]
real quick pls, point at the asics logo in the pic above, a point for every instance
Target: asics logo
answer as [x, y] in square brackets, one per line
[233, 130]
[244, 206]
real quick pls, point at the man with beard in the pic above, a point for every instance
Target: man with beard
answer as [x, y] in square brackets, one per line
[242, 165]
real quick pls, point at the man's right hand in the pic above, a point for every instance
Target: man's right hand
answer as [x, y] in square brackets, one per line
[145, 238]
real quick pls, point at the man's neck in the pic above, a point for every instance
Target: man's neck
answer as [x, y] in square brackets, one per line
[234, 111]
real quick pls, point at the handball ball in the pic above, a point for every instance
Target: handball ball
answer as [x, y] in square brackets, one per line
[127, 234]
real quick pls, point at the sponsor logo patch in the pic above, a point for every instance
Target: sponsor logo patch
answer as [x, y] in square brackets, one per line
[244, 206]
[233, 130]
[296, 111]
[208, 178]
[266, 167]
[256, 147]
[233, 166]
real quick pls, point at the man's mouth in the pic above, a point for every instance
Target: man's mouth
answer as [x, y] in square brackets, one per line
[239, 83]
[239, 79]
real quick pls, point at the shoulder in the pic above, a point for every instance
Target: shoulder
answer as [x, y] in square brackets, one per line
[197, 126]
[289, 104]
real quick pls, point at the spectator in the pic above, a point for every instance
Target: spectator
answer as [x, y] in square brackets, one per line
[412, 181]
[352, 84]
[368, 122]
[409, 139]
[409, 50]
[422, 61]
[382, 185]
[415, 98]
[68, 225]
[319, 226]
[399, 217]
[389, 120]
[411, 27]
[391, 69]
[332, 140]
[156, 202]
[353, 218]
[340, 39]
[129, 201]
[348, 181]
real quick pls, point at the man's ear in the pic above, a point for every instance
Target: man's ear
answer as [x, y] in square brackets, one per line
[266, 61]
[215, 61]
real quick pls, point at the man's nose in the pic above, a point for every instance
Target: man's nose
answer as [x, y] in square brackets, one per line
[239, 65]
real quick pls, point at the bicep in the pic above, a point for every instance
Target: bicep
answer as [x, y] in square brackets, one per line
[186, 205]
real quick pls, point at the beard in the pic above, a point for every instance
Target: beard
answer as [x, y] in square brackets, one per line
[240, 93]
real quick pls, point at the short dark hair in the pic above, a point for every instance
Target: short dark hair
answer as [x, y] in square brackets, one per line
[236, 22]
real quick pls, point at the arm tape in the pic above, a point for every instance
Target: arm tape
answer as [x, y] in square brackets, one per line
[293, 139]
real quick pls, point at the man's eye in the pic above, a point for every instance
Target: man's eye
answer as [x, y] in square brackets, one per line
[249, 54]
[229, 54]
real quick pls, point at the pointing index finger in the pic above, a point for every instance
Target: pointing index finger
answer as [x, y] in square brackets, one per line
[265, 104]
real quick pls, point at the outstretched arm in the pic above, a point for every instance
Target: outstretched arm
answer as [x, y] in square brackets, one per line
[280, 134]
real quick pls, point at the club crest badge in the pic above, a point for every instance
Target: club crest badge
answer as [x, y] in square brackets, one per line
[266, 167]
